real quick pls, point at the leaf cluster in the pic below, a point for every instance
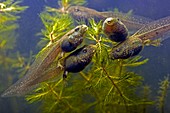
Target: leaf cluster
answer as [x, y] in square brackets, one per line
[104, 86]
[8, 25]
[8, 13]
[67, 3]
[55, 26]
[9, 59]
[163, 92]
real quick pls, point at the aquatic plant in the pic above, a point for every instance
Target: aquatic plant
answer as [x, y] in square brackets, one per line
[12, 62]
[8, 24]
[65, 4]
[163, 92]
[146, 96]
[55, 26]
[103, 84]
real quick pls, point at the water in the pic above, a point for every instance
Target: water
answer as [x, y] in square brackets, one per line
[30, 25]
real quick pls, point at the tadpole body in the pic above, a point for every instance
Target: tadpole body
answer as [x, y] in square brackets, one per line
[115, 29]
[74, 40]
[127, 49]
[79, 59]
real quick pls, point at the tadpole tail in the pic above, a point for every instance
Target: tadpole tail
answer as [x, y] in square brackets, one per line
[35, 73]
[154, 30]
[43, 68]
[20, 88]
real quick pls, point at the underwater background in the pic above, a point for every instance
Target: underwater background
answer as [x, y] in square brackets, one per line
[30, 25]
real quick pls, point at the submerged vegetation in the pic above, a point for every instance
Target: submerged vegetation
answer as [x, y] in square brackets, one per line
[10, 59]
[104, 86]
[8, 24]
[163, 92]
[55, 26]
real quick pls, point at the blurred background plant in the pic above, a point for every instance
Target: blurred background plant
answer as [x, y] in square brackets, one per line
[162, 94]
[10, 59]
[65, 4]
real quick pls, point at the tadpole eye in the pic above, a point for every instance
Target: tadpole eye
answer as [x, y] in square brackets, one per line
[84, 50]
[109, 22]
[77, 10]
[117, 50]
[118, 19]
[77, 29]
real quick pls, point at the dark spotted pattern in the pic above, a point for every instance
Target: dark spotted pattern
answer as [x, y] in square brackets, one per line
[79, 59]
[73, 40]
[127, 49]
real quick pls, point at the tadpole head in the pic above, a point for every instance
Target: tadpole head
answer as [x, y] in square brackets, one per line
[79, 59]
[77, 11]
[111, 21]
[81, 29]
[110, 25]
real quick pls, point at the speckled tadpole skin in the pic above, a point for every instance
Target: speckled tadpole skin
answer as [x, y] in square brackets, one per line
[126, 49]
[74, 40]
[132, 22]
[156, 29]
[115, 29]
[81, 12]
[135, 43]
[79, 59]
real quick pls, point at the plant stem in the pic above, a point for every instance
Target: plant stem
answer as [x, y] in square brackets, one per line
[116, 88]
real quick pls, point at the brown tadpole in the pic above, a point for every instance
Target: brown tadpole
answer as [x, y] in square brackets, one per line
[115, 29]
